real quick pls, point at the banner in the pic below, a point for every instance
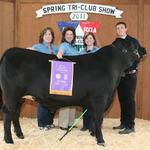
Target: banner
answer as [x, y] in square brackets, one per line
[61, 81]
[79, 7]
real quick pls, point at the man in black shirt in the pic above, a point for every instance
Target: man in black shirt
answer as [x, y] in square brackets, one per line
[127, 87]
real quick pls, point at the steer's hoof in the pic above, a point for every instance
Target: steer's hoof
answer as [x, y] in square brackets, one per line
[20, 136]
[92, 133]
[8, 141]
[101, 143]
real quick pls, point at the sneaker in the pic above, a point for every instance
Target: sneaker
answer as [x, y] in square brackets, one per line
[120, 127]
[83, 129]
[44, 128]
[62, 128]
[50, 126]
[41, 128]
[127, 131]
[73, 126]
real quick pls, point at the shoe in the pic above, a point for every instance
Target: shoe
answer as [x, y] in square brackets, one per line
[73, 127]
[47, 127]
[120, 127]
[44, 128]
[83, 129]
[50, 126]
[62, 128]
[127, 131]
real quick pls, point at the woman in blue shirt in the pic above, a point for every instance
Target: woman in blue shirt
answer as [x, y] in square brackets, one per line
[46, 40]
[89, 41]
[44, 115]
[67, 48]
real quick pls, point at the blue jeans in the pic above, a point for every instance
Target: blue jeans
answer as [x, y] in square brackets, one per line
[44, 116]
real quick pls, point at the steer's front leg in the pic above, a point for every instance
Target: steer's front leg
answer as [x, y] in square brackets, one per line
[99, 136]
[98, 110]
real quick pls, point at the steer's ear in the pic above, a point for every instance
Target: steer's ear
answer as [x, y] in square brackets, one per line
[116, 41]
[142, 51]
[120, 43]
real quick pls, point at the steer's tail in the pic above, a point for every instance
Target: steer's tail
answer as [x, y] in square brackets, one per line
[1, 102]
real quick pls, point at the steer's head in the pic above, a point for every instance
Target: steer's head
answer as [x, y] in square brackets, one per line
[128, 49]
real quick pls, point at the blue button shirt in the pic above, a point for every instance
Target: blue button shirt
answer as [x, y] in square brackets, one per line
[84, 51]
[45, 48]
[68, 49]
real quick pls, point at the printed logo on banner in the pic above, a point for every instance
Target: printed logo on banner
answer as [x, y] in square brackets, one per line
[63, 24]
[88, 26]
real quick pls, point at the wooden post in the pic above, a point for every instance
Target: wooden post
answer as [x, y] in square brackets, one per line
[17, 20]
[140, 72]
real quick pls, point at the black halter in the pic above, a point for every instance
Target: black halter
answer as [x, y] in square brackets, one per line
[123, 50]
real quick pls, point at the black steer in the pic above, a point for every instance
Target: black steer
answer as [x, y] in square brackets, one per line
[96, 76]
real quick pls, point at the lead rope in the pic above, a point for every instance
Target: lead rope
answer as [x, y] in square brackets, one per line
[76, 121]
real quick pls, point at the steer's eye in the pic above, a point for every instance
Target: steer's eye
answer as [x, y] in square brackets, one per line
[136, 53]
[124, 50]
